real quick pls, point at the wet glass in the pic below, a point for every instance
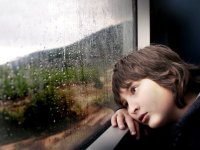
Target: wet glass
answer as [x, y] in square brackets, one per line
[55, 69]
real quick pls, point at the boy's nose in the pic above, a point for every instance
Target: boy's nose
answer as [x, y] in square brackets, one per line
[133, 109]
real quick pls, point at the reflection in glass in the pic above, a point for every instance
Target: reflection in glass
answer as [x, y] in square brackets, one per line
[56, 97]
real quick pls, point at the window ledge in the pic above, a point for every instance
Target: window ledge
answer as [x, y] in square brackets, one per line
[109, 139]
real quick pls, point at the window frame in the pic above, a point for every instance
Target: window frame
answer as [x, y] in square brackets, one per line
[108, 137]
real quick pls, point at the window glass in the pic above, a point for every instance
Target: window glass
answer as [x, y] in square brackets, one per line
[55, 68]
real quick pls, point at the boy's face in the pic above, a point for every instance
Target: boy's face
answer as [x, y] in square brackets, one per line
[149, 103]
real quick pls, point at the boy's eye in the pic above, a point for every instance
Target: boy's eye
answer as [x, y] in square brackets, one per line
[132, 90]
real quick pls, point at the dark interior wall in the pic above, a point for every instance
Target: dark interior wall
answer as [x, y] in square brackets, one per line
[176, 23]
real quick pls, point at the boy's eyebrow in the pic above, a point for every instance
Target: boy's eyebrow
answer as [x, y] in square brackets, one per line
[129, 84]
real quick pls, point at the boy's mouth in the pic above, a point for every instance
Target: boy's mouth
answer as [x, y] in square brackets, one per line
[143, 117]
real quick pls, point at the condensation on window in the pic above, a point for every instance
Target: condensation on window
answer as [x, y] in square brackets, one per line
[55, 69]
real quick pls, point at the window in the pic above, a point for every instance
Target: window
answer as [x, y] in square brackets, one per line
[56, 66]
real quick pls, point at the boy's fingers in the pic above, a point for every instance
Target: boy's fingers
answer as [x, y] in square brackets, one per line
[120, 121]
[114, 120]
[131, 125]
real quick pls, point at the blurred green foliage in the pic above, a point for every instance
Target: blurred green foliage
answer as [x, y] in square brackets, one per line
[25, 82]
[48, 104]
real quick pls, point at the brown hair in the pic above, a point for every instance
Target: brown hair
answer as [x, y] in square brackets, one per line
[160, 64]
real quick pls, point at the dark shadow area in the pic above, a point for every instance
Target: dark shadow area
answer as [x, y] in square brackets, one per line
[176, 24]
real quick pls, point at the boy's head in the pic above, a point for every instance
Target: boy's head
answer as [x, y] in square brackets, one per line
[156, 62]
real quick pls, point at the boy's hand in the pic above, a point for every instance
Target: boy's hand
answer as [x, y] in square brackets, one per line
[121, 118]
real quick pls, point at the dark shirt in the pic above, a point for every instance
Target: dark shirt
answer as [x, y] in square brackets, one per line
[186, 132]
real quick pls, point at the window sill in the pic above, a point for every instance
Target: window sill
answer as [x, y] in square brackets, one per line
[109, 139]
